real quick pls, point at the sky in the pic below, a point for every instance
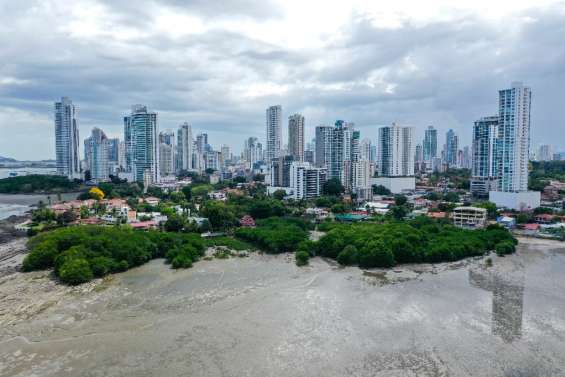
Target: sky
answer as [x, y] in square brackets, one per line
[219, 64]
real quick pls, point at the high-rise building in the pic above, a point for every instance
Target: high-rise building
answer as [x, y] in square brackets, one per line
[273, 132]
[296, 137]
[184, 147]
[544, 153]
[202, 143]
[340, 151]
[212, 160]
[451, 148]
[114, 151]
[396, 151]
[97, 153]
[122, 155]
[142, 145]
[280, 171]
[485, 132]
[324, 140]
[513, 144]
[430, 144]
[306, 181]
[252, 151]
[67, 139]
[419, 155]
[226, 155]
[167, 153]
[365, 149]
[466, 161]
[512, 150]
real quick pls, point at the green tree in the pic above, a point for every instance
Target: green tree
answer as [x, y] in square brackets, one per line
[400, 200]
[376, 254]
[333, 187]
[381, 190]
[349, 255]
[279, 194]
[76, 271]
[219, 214]
[187, 191]
[174, 223]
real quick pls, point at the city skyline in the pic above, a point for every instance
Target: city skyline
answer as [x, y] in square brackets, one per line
[360, 62]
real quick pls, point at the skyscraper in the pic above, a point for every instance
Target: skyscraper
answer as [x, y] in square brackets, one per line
[67, 139]
[296, 136]
[430, 144]
[142, 146]
[167, 153]
[544, 153]
[324, 140]
[226, 155]
[513, 148]
[396, 151]
[273, 132]
[97, 152]
[485, 132]
[202, 143]
[451, 148]
[340, 151]
[184, 147]
[419, 156]
[365, 149]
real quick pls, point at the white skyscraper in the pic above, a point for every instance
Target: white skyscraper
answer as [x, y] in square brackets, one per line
[67, 139]
[296, 137]
[274, 132]
[142, 145]
[97, 153]
[184, 147]
[396, 151]
[544, 153]
[365, 149]
[225, 155]
[512, 150]
[167, 153]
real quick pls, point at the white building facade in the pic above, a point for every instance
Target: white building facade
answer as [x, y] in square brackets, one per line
[67, 139]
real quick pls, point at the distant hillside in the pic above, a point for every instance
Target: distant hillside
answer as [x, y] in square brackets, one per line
[7, 159]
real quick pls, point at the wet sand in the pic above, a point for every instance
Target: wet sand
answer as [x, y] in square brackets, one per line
[263, 316]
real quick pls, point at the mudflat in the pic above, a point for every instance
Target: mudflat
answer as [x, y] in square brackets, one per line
[263, 316]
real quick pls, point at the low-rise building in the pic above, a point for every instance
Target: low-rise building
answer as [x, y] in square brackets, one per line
[470, 217]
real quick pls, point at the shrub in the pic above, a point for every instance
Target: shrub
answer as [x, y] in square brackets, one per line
[349, 255]
[107, 250]
[376, 254]
[101, 266]
[182, 261]
[301, 257]
[41, 257]
[504, 248]
[75, 271]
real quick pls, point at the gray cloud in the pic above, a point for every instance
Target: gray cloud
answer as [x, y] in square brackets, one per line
[440, 73]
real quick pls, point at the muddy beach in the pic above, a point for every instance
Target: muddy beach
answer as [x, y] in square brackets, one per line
[263, 316]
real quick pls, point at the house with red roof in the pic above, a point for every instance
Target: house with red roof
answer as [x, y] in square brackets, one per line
[247, 222]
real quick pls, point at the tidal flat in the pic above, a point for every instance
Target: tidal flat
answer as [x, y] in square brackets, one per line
[264, 316]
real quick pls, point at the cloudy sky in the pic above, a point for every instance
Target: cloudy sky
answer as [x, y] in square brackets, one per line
[219, 64]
